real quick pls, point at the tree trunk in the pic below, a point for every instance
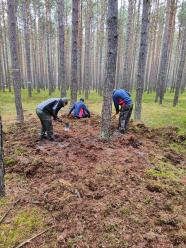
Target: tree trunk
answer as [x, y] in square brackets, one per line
[165, 49]
[2, 170]
[87, 48]
[112, 23]
[48, 46]
[25, 10]
[74, 75]
[142, 58]
[128, 46]
[180, 68]
[61, 40]
[15, 61]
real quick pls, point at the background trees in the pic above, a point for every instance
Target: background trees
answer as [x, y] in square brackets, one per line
[46, 46]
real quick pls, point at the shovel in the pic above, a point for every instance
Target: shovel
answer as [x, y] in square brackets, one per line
[67, 125]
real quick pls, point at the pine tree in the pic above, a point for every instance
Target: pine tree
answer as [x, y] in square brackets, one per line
[112, 23]
[16, 73]
[142, 58]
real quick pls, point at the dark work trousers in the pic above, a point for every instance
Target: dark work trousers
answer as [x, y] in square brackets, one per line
[84, 116]
[125, 114]
[46, 123]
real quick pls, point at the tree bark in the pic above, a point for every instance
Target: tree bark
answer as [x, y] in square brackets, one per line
[74, 74]
[180, 68]
[2, 170]
[128, 46]
[15, 61]
[142, 58]
[25, 10]
[61, 40]
[165, 49]
[87, 48]
[112, 23]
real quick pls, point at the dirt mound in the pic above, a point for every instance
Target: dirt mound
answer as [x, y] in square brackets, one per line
[103, 194]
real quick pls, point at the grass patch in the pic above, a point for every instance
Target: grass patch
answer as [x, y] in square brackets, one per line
[179, 148]
[8, 161]
[20, 227]
[112, 227]
[125, 212]
[164, 169]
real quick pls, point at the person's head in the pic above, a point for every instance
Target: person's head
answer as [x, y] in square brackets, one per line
[65, 101]
[81, 99]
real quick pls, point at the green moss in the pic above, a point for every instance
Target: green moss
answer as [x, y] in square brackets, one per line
[125, 211]
[112, 227]
[8, 161]
[3, 201]
[20, 227]
[167, 219]
[164, 169]
[155, 186]
[147, 200]
[19, 150]
[179, 148]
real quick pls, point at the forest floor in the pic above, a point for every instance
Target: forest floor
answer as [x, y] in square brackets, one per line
[128, 192]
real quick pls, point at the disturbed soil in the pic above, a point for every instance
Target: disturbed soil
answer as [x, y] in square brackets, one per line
[101, 194]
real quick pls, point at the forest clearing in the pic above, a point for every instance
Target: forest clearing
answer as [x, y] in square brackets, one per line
[92, 123]
[129, 192]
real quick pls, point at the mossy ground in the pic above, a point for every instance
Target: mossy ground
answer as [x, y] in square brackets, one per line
[128, 194]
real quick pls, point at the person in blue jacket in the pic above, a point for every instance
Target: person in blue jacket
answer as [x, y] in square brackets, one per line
[79, 110]
[45, 111]
[123, 104]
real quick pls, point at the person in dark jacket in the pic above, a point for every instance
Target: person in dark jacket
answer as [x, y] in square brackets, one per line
[45, 111]
[123, 104]
[79, 110]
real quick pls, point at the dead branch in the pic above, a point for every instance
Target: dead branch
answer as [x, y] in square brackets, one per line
[6, 214]
[35, 236]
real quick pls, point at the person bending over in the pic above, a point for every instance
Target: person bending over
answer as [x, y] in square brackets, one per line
[45, 111]
[122, 99]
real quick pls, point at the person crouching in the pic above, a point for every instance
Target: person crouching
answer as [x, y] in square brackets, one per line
[79, 110]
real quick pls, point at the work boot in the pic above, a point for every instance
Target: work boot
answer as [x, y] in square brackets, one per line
[50, 138]
[122, 130]
[41, 137]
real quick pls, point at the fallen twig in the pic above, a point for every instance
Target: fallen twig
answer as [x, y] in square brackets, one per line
[35, 236]
[5, 215]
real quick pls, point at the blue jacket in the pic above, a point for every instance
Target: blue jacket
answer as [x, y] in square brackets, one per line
[51, 106]
[121, 98]
[79, 109]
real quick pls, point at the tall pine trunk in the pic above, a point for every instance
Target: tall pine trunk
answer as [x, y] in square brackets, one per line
[2, 170]
[142, 58]
[180, 68]
[74, 68]
[61, 40]
[16, 74]
[25, 9]
[165, 49]
[112, 23]
[87, 48]
[128, 46]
